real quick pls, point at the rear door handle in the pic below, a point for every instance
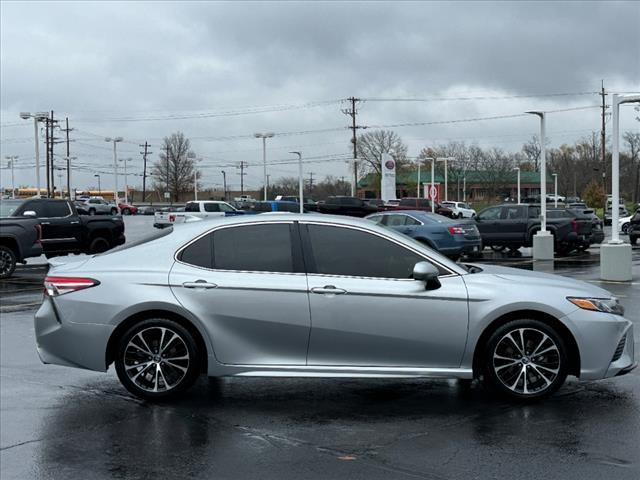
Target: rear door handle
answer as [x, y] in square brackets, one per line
[74, 223]
[45, 223]
[199, 284]
[328, 289]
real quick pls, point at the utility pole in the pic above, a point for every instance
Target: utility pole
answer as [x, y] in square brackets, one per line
[268, 177]
[242, 174]
[52, 139]
[603, 139]
[310, 182]
[66, 131]
[144, 168]
[352, 112]
[46, 154]
[224, 183]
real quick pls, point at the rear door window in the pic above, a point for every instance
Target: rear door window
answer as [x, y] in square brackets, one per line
[255, 248]
[191, 207]
[211, 207]
[199, 253]
[57, 209]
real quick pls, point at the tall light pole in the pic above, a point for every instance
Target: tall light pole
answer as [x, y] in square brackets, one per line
[224, 183]
[68, 159]
[12, 160]
[192, 156]
[555, 189]
[543, 243]
[446, 186]
[518, 170]
[419, 162]
[115, 140]
[37, 117]
[264, 137]
[126, 183]
[99, 189]
[432, 188]
[300, 181]
[615, 255]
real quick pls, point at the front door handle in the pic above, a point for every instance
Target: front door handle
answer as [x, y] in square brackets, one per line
[45, 223]
[328, 289]
[199, 284]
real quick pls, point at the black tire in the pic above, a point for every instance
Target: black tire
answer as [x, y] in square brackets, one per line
[516, 370]
[99, 245]
[625, 228]
[92, 211]
[460, 215]
[126, 211]
[169, 378]
[497, 248]
[114, 211]
[8, 261]
[633, 239]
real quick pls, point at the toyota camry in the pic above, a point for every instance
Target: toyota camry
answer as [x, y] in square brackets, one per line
[322, 296]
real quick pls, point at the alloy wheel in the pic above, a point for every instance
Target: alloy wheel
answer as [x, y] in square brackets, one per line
[7, 263]
[526, 361]
[156, 359]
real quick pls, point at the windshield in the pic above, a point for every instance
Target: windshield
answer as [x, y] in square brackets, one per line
[7, 207]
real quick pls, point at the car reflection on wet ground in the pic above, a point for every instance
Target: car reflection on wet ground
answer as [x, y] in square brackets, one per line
[58, 422]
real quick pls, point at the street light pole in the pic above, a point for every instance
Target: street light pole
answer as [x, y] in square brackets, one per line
[126, 183]
[99, 189]
[418, 178]
[264, 137]
[518, 169]
[12, 160]
[37, 117]
[555, 190]
[300, 181]
[68, 159]
[543, 242]
[115, 164]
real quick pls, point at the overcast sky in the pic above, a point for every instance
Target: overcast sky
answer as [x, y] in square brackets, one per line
[231, 69]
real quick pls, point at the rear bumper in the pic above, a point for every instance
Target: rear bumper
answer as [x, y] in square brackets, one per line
[60, 342]
[463, 247]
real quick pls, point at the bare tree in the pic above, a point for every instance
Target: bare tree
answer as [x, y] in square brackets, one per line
[372, 145]
[174, 171]
[531, 151]
[633, 140]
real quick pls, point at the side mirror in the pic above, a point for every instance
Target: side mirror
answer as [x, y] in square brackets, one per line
[29, 213]
[426, 272]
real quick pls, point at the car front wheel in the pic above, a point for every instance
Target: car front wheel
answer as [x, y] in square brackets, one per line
[525, 360]
[157, 359]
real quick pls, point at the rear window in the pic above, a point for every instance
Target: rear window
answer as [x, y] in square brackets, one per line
[408, 202]
[191, 207]
[211, 207]
[288, 207]
[262, 207]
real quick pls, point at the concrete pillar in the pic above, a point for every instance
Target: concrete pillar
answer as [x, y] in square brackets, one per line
[543, 245]
[615, 262]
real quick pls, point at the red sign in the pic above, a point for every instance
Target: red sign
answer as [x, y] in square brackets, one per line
[432, 193]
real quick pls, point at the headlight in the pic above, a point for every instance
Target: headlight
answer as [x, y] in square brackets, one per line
[606, 305]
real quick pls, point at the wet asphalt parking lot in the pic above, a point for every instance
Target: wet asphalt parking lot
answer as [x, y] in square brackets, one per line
[58, 422]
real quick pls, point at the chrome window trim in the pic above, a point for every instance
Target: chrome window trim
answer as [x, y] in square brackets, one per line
[362, 229]
[220, 227]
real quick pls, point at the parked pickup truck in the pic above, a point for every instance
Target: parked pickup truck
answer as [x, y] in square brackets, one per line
[194, 211]
[589, 228]
[352, 206]
[64, 231]
[19, 238]
[513, 226]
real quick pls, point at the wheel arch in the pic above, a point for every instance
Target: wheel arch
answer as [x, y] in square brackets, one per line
[12, 243]
[550, 320]
[156, 313]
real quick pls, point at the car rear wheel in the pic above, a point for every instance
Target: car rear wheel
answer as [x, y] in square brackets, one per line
[525, 360]
[114, 211]
[625, 228]
[99, 245]
[7, 262]
[126, 211]
[497, 248]
[92, 211]
[157, 359]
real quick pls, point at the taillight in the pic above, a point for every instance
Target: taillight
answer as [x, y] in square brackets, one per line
[172, 218]
[54, 286]
[454, 230]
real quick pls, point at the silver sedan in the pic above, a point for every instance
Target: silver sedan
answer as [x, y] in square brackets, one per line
[322, 296]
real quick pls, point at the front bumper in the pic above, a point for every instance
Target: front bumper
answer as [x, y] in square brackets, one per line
[62, 342]
[605, 343]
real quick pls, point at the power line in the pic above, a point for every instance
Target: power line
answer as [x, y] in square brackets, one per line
[479, 97]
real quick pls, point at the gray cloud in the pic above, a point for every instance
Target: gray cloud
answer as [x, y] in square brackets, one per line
[99, 60]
